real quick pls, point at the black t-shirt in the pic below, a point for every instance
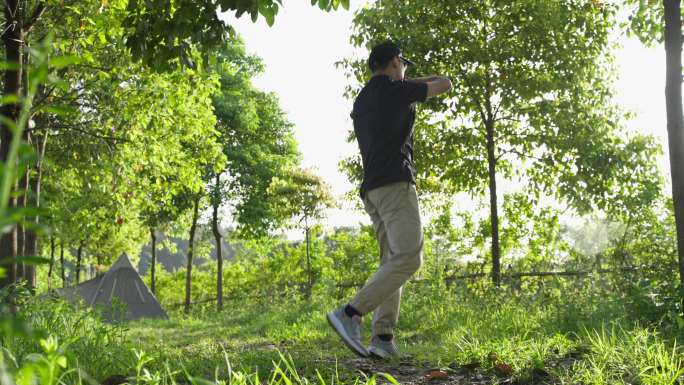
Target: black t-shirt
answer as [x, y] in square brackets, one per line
[383, 114]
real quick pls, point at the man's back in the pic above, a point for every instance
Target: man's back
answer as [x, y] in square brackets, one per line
[383, 114]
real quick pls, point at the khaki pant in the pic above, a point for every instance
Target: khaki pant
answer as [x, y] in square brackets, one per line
[396, 219]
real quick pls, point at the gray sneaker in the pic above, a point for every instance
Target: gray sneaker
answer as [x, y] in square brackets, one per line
[349, 329]
[383, 349]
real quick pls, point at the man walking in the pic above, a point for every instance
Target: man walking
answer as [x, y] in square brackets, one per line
[383, 114]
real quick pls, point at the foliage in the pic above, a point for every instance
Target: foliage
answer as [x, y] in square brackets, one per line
[256, 138]
[568, 331]
[645, 20]
[532, 104]
[162, 33]
[129, 148]
[301, 195]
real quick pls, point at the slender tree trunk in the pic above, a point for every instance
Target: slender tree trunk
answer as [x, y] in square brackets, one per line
[219, 254]
[219, 259]
[28, 236]
[154, 260]
[79, 253]
[308, 262]
[52, 261]
[12, 38]
[61, 262]
[191, 244]
[21, 276]
[675, 121]
[31, 238]
[22, 201]
[494, 212]
[18, 267]
[6, 252]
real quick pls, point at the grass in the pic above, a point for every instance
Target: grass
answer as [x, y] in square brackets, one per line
[573, 339]
[571, 336]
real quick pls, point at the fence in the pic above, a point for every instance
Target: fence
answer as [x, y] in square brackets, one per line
[449, 279]
[504, 276]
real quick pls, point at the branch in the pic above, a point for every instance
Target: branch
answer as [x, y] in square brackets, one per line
[75, 127]
[496, 111]
[12, 13]
[37, 13]
[39, 102]
[510, 118]
[524, 156]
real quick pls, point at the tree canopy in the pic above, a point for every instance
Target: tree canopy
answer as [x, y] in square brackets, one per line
[532, 102]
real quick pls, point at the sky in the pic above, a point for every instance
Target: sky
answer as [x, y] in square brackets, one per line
[299, 52]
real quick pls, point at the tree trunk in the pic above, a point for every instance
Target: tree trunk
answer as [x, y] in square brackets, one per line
[52, 261]
[20, 244]
[219, 254]
[27, 235]
[219, 259]
[675, 123]
[61, 262]
[31, 238]
[154, 261]
[308, 262]
[191, 243]
[494, 212]
[6, 252]
[22, 201]
[14, 248]
[12, 38]
[79, 252]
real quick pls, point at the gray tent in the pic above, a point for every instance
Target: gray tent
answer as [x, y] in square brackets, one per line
[121, 283]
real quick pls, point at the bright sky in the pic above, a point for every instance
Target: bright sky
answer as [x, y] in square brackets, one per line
[300, 50]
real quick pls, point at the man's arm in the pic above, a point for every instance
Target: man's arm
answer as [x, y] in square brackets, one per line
[423, 79]
[436, 84]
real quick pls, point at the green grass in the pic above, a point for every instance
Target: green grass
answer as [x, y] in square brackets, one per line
[569, 336]
[572, 337]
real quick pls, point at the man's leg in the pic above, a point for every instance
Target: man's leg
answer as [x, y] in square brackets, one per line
[397, 208]
[386, 315]
[346, 321]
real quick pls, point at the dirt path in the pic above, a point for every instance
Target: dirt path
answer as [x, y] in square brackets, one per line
[409, 372]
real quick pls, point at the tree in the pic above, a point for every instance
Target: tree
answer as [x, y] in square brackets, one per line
[22, 18]
[302, 195]
[196, 197]
[128, 145]
[164, 34]
[161, 31]
[172, 164]
[32, 24]
[531, 101]
[258, 143]
[653, 22]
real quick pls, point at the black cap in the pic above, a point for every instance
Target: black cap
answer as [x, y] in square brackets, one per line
[383, 53]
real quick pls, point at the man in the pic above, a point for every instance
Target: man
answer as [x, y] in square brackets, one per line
[383, 114]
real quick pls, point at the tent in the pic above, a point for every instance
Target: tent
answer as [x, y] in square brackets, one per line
[121, 283]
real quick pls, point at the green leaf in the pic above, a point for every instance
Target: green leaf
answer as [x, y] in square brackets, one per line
[64, 61]
[62, 362]
[25, 260]
[389, 378]
[9, 99]
[4, 66]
